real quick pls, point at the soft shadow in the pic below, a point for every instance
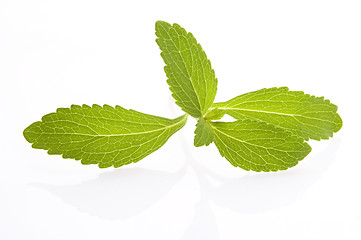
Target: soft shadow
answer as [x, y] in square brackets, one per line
[252, 194]
[120, 194]
[203, 225]
[268, 191]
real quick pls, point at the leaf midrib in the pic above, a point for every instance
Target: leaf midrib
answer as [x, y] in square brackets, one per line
[245, 142]
[122, 134]
[189, 75]
[270, 112]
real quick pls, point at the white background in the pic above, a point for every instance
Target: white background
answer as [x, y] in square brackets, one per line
[57, 53]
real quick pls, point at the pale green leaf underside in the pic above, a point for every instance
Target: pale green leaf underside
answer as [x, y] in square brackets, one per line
[203, 134]
[106, 136]
[304, 115]
[190, 75]
[258, 146]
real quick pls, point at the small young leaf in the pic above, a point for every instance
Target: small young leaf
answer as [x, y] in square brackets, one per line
[258, 146]
[304, 115]
[203, 134]
[190, 75]
[105, 135]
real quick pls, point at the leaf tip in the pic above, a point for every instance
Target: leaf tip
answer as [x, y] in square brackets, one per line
[339, 123]
[30, 133]
[160, 25]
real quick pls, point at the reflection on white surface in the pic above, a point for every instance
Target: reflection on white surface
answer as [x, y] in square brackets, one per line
[119, 194]
[203, 225]
[127, 192]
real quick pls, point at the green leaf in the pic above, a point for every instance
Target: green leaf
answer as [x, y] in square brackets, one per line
[215, 114]
[203, 134]
[105, 135]
[190, 75]
[258, 146]
[304, 115]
